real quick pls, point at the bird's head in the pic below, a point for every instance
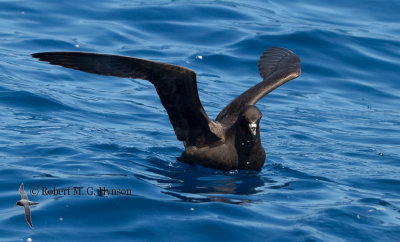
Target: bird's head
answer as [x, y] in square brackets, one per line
[249, 120]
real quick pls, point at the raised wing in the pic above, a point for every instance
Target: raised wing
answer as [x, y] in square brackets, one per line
[276, 66]
[176, 86]
[22, 192]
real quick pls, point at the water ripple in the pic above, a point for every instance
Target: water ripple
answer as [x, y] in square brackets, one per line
[331, 135]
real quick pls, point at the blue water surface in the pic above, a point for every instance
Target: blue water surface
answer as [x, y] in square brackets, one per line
[332, 136]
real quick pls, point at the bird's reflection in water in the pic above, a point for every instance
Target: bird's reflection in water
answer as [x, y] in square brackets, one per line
[198, 184]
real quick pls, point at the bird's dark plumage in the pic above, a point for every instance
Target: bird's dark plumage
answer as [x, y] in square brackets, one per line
[232, 141]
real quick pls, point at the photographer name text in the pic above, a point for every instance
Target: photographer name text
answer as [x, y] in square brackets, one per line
[80, 191]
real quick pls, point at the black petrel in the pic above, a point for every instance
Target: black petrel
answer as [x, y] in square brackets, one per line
[232, 140]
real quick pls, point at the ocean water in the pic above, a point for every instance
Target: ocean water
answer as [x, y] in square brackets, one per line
[332, 136]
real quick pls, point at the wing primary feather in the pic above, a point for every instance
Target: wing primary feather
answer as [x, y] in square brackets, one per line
[22, 192]
[276, 66]
[175, 85]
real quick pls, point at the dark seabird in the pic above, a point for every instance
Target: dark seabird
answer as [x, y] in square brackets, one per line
[24, 202]
[232, 140]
